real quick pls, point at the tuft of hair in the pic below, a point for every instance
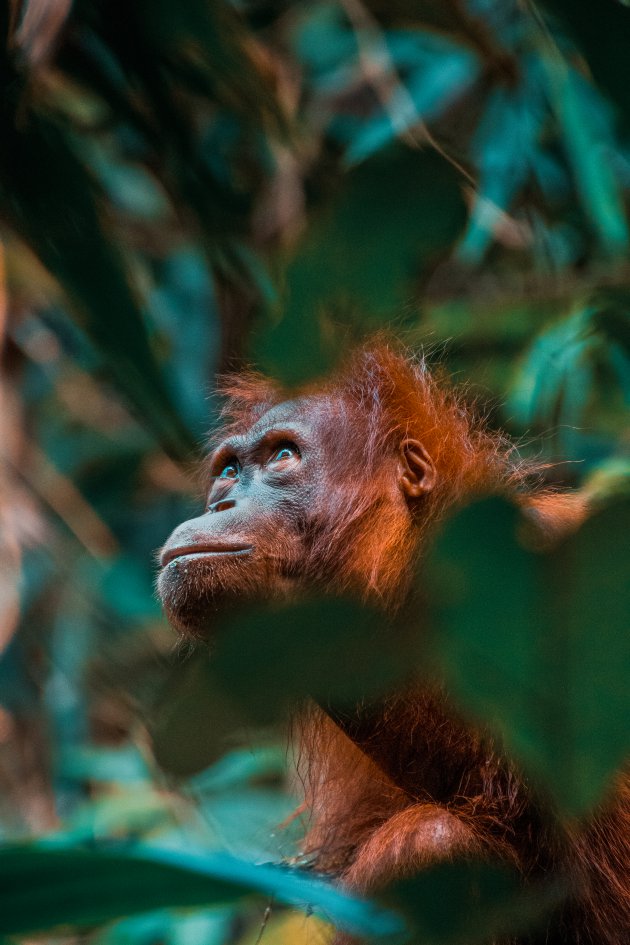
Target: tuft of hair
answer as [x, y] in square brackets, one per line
[381, 395]
[247, 396]
[401, 396]
[394, 393]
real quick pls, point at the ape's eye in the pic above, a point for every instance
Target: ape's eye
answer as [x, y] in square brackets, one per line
[284, 452]
[230, 471]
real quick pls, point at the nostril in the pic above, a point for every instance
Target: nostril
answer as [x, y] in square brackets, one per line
[222, 505]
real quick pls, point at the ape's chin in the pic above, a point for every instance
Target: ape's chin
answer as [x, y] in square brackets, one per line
[195, 590]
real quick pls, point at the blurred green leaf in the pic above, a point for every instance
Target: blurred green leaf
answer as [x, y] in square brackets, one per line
[589, 154]
[470, 903]
[324, 42]
[576, 374]
[127, 588]
[502, 146]
[270, 658]
[537, 645]
[603, 34]
[362, 255]
[129, 813]
[612, 315]
[212, 927]
[248, 823]
[124, 765]
[609, 480]
[438, 72]
[196, 719]
[239, 767]
[69, 887]
[50, 199]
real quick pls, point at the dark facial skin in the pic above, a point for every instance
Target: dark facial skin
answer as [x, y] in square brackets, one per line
[273, 491]
[250, 540]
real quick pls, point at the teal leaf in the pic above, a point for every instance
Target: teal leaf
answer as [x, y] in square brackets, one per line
[72, 888]
[358, 263]
[502, 150]
[588, 150]
[539, 388]
[437, 78]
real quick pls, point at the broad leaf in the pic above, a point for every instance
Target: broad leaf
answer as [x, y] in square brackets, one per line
[63, 886]
[470, 903]
[359, 262]
[333, 650]
[537, 644]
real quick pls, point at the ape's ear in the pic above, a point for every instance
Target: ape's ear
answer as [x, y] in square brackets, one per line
[417, 472]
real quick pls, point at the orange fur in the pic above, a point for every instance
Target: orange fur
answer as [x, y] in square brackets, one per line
[458, 794]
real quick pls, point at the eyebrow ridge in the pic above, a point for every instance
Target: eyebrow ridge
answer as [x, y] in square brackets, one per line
[242, 444]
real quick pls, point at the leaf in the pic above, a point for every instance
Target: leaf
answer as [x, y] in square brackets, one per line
[612, 316]
[438, 73]
[323, 41]
[609, 480]
[124, 813]
[65, 886]
[210, 926]
[469, 903]
[123, 765]
[503, 150]
[604, 40]
[239, 767]
[588, 151]
[180, 745]
[246, 822]
[536, 644]
[539, 388]
[50, 199]
[359, 262]
[270, 658]
[126, 587]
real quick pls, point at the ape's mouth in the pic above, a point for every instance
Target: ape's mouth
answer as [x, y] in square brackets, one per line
[202, 551]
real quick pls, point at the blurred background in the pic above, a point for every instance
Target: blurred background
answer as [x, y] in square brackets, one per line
[189, 187]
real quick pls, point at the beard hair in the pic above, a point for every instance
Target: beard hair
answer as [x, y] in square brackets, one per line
[195, 592]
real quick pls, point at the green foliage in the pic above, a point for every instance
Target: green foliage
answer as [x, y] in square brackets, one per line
[576, 372]
[193, 691]
[525, 644]
[273, 658]
[394, 227]
[184, 186]
[460, 903]
[108, 884]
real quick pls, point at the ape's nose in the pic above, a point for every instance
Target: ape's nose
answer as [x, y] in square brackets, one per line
[222, 505]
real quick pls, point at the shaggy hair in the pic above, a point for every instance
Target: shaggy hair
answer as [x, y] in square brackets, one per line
[368, 827]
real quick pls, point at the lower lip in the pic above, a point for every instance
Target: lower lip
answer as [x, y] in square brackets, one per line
[206, 553]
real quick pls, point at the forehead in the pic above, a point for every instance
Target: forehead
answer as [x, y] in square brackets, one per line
[310, 408]
[311, 417]
[300, 411]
